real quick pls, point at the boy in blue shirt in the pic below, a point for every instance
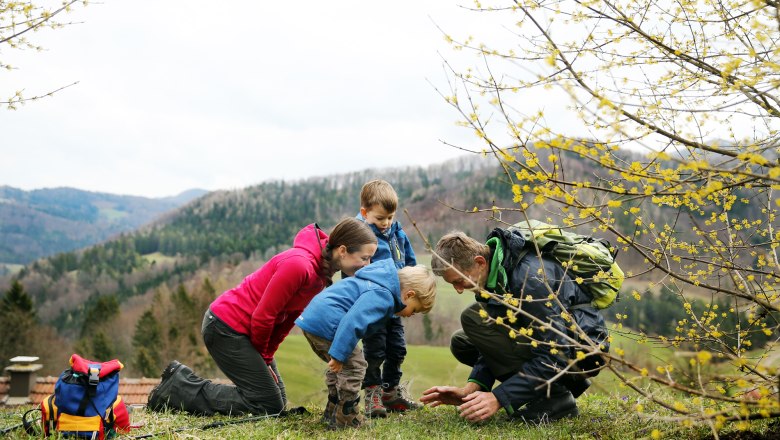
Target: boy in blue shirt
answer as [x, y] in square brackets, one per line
[385, 350]
[337, 318]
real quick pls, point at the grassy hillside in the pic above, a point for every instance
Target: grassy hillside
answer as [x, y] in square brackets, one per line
[303, 371]
[607, 411]
[426, 366]
[601, 417]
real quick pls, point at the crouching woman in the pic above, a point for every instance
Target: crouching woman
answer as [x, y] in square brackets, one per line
[244, 326]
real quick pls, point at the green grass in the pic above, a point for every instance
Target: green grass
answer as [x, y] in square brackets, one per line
[8, 268]
[606, 410]
[304, 373]
[601, 417]
[112, 214]
[159, 258]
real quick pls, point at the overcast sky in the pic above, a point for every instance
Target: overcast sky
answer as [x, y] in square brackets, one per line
[180, 94]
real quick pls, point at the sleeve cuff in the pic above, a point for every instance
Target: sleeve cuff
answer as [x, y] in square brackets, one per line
[484, 387]
[503, 400]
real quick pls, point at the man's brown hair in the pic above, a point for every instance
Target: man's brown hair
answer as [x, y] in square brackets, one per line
[458, 249]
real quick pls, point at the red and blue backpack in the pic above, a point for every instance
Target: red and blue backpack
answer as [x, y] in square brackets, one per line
[86, 401]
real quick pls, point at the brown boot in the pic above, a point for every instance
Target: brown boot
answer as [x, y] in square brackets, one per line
[330, 409]
[347, 415]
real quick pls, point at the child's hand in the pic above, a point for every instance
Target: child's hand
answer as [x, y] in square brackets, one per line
[335, 365]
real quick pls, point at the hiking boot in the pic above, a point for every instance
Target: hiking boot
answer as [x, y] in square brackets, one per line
[159, 396]
[396, 399]
[373, 399]
[330, 409]
[547, 410]
[347, 415]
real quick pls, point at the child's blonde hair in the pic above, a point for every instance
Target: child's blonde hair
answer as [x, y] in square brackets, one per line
[420, 279]
[379, 192]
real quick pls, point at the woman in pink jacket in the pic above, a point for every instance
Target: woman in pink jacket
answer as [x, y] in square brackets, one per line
[245, 325]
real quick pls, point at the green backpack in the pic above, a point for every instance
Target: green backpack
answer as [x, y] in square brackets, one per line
[587, 260]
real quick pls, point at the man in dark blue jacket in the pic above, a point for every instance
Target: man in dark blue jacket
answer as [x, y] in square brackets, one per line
[529, 353]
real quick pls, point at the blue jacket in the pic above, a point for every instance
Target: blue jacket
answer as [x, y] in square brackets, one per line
[393, 244]
[354, 307]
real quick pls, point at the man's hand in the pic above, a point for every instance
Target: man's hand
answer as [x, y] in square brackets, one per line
[443, 395]
[335, 365]
[479, 406]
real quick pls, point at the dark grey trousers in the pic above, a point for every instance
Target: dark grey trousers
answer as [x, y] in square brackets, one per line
[503, 355]
[255, 390]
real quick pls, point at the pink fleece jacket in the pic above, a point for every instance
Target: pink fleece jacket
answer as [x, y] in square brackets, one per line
[265, 305]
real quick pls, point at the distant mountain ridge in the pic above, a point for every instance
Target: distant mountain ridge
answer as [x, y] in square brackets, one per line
[44, 222]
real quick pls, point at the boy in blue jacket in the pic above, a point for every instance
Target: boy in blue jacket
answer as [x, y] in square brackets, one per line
[385, 349]
[336, 319]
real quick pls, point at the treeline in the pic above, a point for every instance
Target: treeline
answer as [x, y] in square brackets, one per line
[23, 334]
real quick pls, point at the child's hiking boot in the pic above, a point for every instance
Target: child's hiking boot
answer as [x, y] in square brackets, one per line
[374, 405]
[159, 396]
[396, 399]
[347, 415]
[330, 409]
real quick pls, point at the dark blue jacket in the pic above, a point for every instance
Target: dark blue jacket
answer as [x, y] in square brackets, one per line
[354, 307]
[524, 279]
[393, 244]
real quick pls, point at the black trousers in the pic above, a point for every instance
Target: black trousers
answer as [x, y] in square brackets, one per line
[254, 391]
[385, 351]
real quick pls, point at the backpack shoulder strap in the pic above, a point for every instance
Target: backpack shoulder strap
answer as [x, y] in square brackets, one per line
[51, 419]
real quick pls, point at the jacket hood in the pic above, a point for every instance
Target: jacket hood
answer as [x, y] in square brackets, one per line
[311, 239]
[395, 226]
[385, 274]
[506, 252]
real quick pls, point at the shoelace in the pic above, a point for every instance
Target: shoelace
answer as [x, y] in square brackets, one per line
[376, 396]
[402, 391]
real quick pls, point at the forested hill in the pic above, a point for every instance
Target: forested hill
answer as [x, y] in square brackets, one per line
[39, 223]
[228, 227]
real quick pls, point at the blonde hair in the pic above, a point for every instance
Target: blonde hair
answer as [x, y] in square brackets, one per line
[420, 279]
[459, 250]
[379, 192]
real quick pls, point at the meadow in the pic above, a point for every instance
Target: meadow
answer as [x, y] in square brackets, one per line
[607, 409]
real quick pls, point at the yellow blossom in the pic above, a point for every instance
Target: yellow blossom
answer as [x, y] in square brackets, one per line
[704, 357]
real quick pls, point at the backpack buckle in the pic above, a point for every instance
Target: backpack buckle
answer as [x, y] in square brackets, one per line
[94, 375]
